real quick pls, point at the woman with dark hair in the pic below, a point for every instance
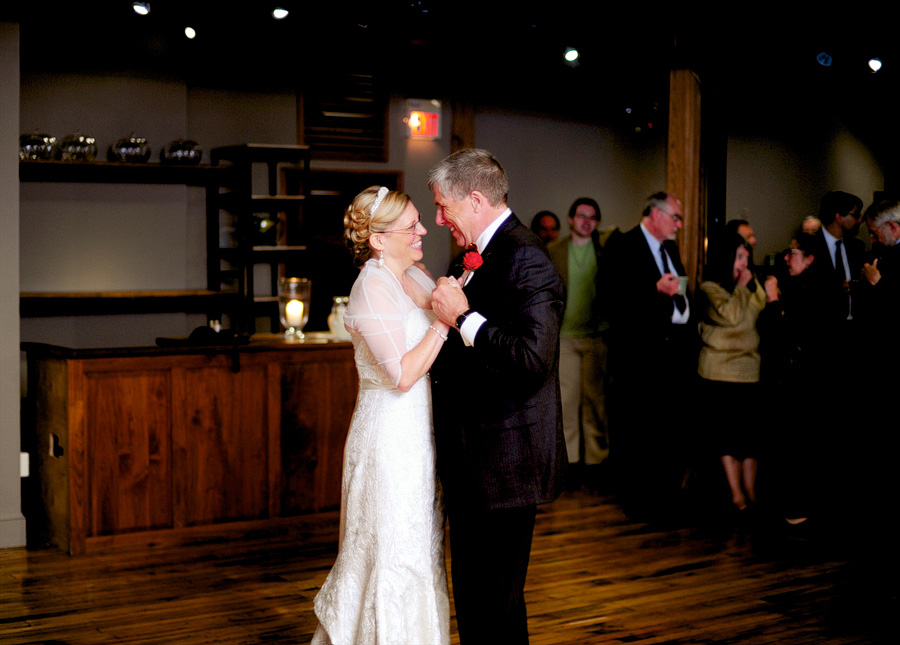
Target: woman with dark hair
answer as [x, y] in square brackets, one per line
[795, 369]
[729, 361]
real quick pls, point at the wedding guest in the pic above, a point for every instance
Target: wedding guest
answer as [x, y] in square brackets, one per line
[811, 224]
[583, 375]
[794, 359]
[729, 362]
[652, 360]
[546, 226]
[742, 227]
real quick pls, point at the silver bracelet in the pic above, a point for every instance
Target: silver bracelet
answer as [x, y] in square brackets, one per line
[444, 338]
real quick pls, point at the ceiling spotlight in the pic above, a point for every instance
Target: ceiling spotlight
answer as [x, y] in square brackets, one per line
[279, 13]
[875, 64]
[824, 59]
[190, 32]
[571, 54]
[141, 8]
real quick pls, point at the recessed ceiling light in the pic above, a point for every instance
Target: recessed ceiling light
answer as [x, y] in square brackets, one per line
[875, 64]
[571, 54]
[279, 13]
[190, 32]
[141, 8]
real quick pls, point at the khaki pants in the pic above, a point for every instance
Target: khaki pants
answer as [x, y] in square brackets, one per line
[582, 380]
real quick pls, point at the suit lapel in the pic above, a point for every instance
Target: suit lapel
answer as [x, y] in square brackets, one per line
[674, 257]
[650, 260]
[456, 267]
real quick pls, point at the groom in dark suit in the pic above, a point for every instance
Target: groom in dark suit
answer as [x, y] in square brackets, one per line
[495, 387]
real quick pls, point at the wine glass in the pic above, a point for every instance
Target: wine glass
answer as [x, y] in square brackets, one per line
[293, 306]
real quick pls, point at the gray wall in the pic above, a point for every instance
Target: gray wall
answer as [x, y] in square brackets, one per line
[12, 523]
[774, 184]
[552, 162]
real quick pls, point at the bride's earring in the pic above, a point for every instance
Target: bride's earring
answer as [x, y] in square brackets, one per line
[377, 253]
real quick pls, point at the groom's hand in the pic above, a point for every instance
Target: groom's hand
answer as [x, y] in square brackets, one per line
[448, 300]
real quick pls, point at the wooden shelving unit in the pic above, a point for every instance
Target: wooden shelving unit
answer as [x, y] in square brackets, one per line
[93, 303]
[234, 265]
[212, 302]
[106, 172]
[308, 206]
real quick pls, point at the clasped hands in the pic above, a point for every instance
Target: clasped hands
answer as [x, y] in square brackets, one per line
[448, 300]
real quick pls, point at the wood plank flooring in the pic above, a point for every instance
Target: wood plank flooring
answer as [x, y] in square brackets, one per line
[595, 577]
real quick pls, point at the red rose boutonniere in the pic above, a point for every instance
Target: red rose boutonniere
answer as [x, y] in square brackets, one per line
[471, 261]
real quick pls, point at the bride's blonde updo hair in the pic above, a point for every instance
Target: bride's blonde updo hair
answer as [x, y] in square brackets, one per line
[360, 222]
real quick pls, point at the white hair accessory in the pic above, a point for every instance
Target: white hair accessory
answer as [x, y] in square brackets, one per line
[382, 193]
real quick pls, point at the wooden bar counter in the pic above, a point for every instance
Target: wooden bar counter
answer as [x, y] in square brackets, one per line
[134, 446]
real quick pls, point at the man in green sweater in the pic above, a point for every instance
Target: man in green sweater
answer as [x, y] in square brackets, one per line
[578, 258]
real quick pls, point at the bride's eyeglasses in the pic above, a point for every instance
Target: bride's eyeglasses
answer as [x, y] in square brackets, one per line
[409, 230]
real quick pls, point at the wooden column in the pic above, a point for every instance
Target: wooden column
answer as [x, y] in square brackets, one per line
[684, 172]
[462, 126]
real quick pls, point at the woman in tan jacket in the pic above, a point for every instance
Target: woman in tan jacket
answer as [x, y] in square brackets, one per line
[729, 361]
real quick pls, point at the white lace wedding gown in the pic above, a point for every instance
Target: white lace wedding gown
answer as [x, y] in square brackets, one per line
[389, 583]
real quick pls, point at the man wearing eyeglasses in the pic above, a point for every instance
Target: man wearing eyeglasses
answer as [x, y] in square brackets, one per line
[583, 379]
[652, 356]
[842, 256]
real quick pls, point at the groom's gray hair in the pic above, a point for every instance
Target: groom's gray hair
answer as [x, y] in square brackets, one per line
[467, 170]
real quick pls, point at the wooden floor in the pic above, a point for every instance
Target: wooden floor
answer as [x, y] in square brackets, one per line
[595, 577]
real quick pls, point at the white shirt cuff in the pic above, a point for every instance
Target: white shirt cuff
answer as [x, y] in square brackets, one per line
[470, 327]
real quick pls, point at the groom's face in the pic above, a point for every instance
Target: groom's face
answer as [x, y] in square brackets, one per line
[457, 216]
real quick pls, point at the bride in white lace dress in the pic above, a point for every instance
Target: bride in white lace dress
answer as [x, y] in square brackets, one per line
[389, 583]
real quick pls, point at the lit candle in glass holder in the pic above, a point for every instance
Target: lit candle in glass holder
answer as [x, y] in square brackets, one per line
[293, 306]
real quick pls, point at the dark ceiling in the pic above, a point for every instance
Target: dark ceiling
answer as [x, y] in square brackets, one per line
[491, 52]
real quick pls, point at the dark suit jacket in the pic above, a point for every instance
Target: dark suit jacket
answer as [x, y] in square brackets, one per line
[652, 366]
[497, 419]
[642, 333]
[880, 304]
[827, 279]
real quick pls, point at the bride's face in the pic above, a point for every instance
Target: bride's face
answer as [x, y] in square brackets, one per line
[403, 239]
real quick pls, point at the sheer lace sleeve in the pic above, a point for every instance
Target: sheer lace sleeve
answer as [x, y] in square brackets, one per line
[422, 279]
[377, 311]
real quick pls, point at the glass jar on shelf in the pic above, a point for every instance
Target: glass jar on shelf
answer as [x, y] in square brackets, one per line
[336, 317]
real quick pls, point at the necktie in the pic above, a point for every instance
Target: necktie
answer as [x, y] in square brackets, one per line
[841, 274]
[839, 261]
[678, 299]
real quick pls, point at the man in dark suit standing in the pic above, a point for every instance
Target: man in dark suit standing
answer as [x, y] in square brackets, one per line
[652, 358]
[836, 275]
[840, 214]
[495, 389]
[874, 436]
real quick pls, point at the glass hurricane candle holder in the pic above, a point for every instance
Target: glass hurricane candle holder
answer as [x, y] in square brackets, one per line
[293, 306]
